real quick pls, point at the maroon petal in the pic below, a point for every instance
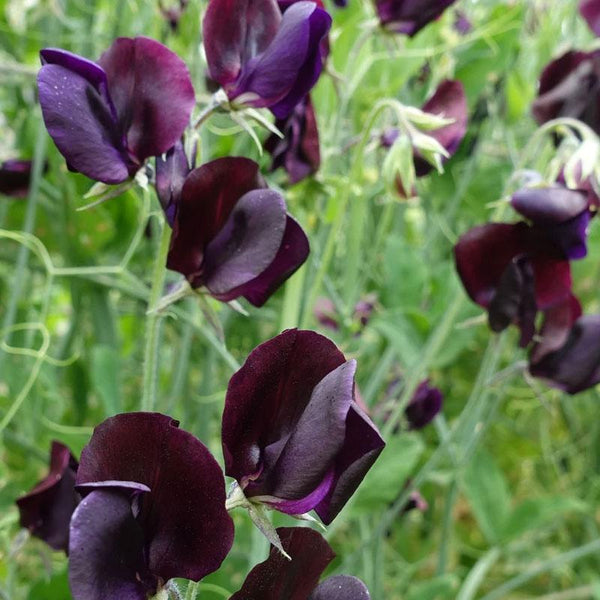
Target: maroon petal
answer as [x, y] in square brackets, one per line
[575, 366]
[362, 445]
[449, 101]
[187, 530]
[248, 242]
[341, 587]
[106, 551]
[278, 578]
[208, 196]
[80, 116]
[266, 397]
[152, 92]
[234, 32]
[14, 178]
[46, 510]
[590, 11]
[290, 257]
[425, 404]
[552, 280]
[409, 16]
[171, 172]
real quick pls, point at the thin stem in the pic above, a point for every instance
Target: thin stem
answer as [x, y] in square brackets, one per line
[153, 322]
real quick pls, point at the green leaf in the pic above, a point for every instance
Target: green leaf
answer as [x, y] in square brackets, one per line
[442, 587]
[487, 491]
[105, 378]
[387, 478]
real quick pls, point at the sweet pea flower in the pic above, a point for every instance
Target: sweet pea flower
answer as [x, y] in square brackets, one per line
[46, 510]
[107, 117]
[570, 87]
[590, 11]
[298, 151]
[232, 235]
[294, 437]
[408, 17]
[425, 404]
[15, 176]
[278, 578]
[153, 509]
[261, 58]
[171, 171]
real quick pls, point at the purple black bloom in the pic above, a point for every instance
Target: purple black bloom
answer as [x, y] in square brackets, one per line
[294, 436]
[15, 176]
[409, 16]
[171, 171]
[278, 578]
[261, 58]
[46, 510]
[590, 11]
[153, 509]
[298, 152]
[231, 234]
[425, 404]
[107, 118]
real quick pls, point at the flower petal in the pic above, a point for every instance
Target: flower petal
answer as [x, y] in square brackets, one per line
[208, 196]
[341, 587]
[188, 530]
[590, 11]
[248, 242]
[425, 404]
[266, 397]
[409, 16]
[46, 510]
[231, 41]
[152, 93]
[292, 253]
[278, 578]
[106, 550]
[170, 177]
[14, 178]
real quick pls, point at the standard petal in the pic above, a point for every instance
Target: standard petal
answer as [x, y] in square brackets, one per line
[248, 242]
[81, 121]
[188, 531]
[362, 446]
[208, 196]
[341, 587]
[449, 101]
[152, 92]
[266, 397]
[106, 550]
[234, 32]
[291, 255]
[575, 366]
[425, 404]
[46, 510]
[590, 11]
[278, 578]
[409, 16]
[549, 205]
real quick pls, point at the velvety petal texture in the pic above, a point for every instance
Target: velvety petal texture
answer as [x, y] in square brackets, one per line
[261, 58]
[106, 118]
[409, 16]
[46, 510]
[341, 587]
[590, 11]
[14, 178]
[233, 235]
[186, 529]
[293, 434]
[425, 404]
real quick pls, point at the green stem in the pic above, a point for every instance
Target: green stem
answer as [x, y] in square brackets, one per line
[153, 322]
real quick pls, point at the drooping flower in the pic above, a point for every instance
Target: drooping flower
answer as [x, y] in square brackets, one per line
[590, 11]
[46, 510]
[172, 14]
[153, 509]
[261, 58]
[425, 404]
[298, 151]
[409, 16]
[570, 87]
[14, 178]
[278, 578]
[107, 118]
[232, 235]
[294, 437]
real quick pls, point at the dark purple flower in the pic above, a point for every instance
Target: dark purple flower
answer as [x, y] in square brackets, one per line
[326, 313]
[278, 578]
[293, 435]
[513, 271]
[570, 87]
[153, 509]
[461, 23]
[298, 152]
[341, 3]
[425, 404]
[409, 16]
[14, 178]
[363, 309]
[173, 14]
[261, 58]
[415, 502]
[232, 234]
[171, 172]
[46, 510]
[107, 118]
[574, 366]
[590, 11]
